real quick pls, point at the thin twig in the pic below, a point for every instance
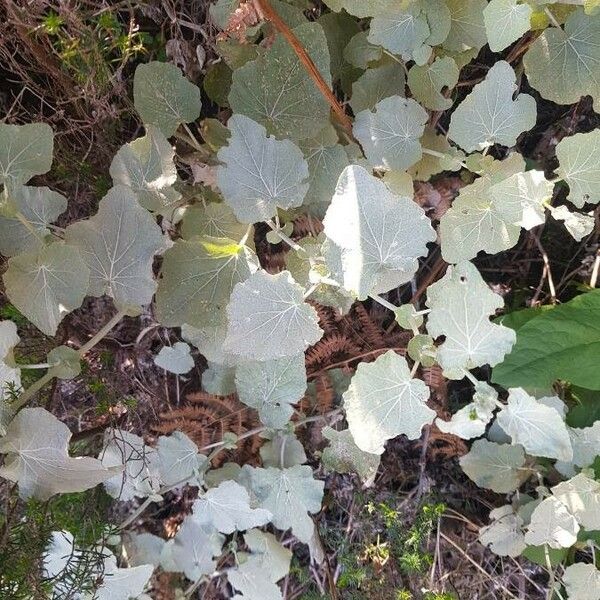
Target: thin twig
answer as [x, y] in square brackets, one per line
[269, 14]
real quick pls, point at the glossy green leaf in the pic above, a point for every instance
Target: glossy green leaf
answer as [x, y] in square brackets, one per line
[543, 353]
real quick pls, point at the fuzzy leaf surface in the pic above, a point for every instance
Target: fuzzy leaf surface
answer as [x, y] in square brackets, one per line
[271, 387]
[383, 401]
[118, 245]
[37, 445]
[164, 97]
[260, 173]
[461, 304]
[46, 285]
[269, 319]
[390, 134]
[489, 115]
[371, 233]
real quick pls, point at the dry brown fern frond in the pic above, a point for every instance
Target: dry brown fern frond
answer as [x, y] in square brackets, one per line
[206, 418]
[369, 330]
[438, 384]
[328, 318]
[322, 400]
[305, 225]
[334, 346]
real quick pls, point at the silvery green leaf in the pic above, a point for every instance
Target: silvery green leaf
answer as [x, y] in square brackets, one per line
[489, 115]
[271, 387]
[400, 183]
[122, 584]
[40, 206]
[194, 547]
[212, 220]
[401, 30]
[577, 224]
[467, 29]
[538, 428]
[372, 233]
[10, 376]
[581, 496]
[164, 97]
[495, 466]
[579, 158]
[218, 379]
[309, 267]
[59, 277]
[342, 455]
[141, 477]
[427, 82]
[259, 173]
[503, 535]
[175, 359]
[209, 341]
[63, 557]
[269, 319]
[468, 422]
[221, 10]
[255, 577]
[430, 165]
[361, 8]
[326, 160]
[25, 151]
[283, 450]
[562, 64]
[461, 304]
[489, 216]
[410, 29]
[179, 461]
[359, 52]
[146, 166]
[505, 22]
[227, 509]
[582, 581]
[197, 279]
[552, 525]
[143, 549]
[65, 362]
[276, 91]
[586, 444]
[376, 84]
[383, 401]
[37, 448]
[275, 558]
[118, 245]
[390, 134]
[289, 495]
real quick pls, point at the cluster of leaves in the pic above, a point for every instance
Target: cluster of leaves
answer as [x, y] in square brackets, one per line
[280, 155]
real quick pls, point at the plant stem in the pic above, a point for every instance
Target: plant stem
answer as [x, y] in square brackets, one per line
[288, 240]
[32, 367]
[101, 334]
[552, 19]
[32, 390]
[306, 61]
[383, 302]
